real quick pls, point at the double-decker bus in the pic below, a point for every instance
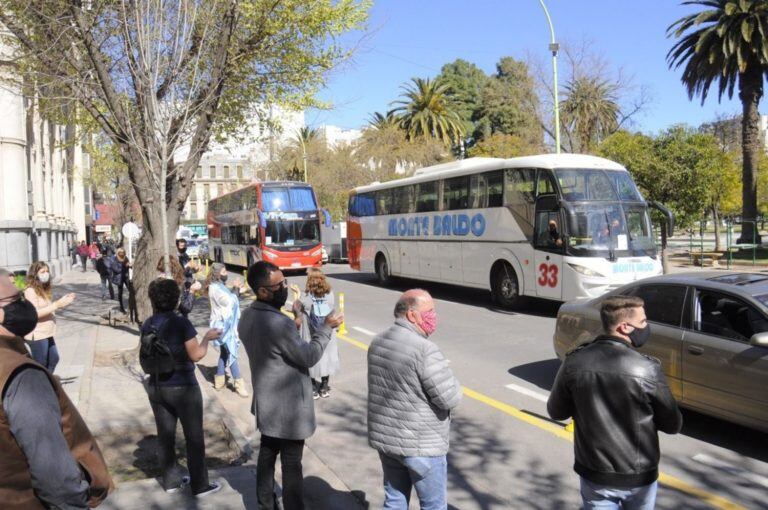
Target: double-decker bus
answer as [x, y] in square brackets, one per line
[274, 221]
[555, 226]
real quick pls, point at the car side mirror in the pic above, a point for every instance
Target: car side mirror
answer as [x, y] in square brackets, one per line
[759, 339]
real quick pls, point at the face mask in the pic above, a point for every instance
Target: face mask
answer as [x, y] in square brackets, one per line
[640, 336]
[223, 278]
[20, 317]
[44, 277]
[183, 250]
[428, 322]
[279, 297]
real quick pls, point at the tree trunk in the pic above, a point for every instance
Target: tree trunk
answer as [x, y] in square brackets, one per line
[716, 220]
[750, 92]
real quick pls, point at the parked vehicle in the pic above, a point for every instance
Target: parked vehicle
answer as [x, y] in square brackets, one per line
[203, 251]
[708, 329]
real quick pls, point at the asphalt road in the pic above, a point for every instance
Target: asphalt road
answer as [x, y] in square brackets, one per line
[505, 452]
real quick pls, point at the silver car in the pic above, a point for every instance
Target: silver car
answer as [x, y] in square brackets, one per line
[708, 329]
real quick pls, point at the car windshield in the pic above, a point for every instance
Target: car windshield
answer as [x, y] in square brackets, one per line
[602, 229]
[286, 233]
[191, 243]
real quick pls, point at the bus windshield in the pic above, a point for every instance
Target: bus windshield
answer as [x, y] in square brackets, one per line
[276, 199]
[609, 228]
[597, 185]
[285, 233]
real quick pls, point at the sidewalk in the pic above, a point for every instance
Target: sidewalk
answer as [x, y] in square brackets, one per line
[100, 371]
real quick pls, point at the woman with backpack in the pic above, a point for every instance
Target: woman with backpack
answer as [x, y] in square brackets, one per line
[174, 393]
[225, 315]
[119, 267]
[39, 292]
[316, 304]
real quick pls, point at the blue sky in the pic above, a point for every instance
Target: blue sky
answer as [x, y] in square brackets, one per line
[408, 38]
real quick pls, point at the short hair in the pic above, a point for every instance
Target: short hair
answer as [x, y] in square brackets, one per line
[164, 295]
[179, 241]
[408, 301]
[260, 273]
[616, 309]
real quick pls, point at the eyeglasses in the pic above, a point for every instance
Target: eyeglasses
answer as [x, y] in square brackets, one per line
[279, 285]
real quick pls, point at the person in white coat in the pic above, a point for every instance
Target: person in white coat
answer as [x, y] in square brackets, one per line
[225, 315]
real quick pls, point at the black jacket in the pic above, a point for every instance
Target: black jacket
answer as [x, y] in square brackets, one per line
[101, 267]
[618, 399]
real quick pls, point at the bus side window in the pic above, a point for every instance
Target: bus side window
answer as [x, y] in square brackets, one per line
[519, 186]
[478, 191]
[403, 200]
[495, 182]
[426, 197]
[384, 201]
[455, 193]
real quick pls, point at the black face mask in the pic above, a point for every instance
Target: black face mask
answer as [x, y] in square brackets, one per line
[223, 279]
[279, 297]
[640, 336]
[20, 317]
[183, 250]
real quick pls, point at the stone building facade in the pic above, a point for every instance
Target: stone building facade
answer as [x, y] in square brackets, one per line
[42, 195]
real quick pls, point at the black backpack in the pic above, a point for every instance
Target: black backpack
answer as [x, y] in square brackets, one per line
[155, 356]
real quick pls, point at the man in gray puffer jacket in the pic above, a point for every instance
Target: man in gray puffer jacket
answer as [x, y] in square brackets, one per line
[411, 392]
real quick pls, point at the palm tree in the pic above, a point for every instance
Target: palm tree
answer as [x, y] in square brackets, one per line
[381, 121]
[728, 43]
[590, 111]
[303, 138]
[425, 111]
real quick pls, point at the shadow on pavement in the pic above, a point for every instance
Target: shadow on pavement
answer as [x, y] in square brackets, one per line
[319, 495]
[541, 373]
[455, 293]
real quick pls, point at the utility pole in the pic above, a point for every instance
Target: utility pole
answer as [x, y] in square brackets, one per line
[554, 48]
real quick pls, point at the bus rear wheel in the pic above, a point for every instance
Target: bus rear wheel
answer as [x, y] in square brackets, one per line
[505, 290]
[382, 270]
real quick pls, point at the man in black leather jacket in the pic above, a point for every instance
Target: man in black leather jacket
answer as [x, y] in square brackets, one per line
[619, 400]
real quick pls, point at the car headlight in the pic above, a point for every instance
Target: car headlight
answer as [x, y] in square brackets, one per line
[585, 270]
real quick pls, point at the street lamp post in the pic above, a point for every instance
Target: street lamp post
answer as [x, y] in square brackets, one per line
[554, 47]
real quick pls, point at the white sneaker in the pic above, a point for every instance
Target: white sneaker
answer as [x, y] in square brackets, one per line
[213, 488]
[180, 487]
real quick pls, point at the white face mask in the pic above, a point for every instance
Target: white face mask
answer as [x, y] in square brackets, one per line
[44, 277]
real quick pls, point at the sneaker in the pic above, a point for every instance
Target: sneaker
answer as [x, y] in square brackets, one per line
[180, 487]
[212, 488]
[325, 393]
[315, 395]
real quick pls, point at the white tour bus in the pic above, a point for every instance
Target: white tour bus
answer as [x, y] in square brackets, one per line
[556, 226]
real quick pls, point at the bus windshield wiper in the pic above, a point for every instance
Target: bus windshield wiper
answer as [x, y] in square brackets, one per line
[611, 254]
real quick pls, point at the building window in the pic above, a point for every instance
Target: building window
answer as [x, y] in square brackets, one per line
[199, 173]
[207, 191]
[213, 172]
[226, 171]
[206, 172]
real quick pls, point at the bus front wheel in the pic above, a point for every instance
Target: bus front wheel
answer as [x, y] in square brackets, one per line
[382, 270]
[505, 290]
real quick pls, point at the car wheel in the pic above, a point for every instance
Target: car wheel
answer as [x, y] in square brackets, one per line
[505, 290]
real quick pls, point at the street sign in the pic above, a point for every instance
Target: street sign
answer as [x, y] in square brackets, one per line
[131, 230]
[96, 215]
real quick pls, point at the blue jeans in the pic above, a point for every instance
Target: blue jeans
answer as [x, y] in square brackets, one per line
[603, 497]
[223, 358]
[45, 352]
[429, 475]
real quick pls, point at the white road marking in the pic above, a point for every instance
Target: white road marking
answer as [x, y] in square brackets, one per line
[364, 331]
[530, 393]
[730, 468]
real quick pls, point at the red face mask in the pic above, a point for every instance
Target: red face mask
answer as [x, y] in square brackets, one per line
[428, 322]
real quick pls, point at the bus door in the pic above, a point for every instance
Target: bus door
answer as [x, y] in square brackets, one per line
[549, 247]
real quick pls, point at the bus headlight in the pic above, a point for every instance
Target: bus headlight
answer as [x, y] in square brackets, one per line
[316, 252]
[585, 270]
[270, 255]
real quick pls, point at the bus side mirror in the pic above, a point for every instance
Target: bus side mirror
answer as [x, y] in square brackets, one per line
[327, 216]
[667, 213]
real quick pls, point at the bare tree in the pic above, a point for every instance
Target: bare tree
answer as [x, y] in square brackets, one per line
[160, 77]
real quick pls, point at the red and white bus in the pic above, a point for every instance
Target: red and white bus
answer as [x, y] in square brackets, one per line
[278, 222]
[556, 226]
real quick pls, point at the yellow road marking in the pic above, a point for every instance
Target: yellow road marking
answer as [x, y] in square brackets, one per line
[670, 481]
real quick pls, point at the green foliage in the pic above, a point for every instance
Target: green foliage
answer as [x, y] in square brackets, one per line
[684, 169]
[590, 110]
[500, 145]
[425, 111]
[464, 84]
